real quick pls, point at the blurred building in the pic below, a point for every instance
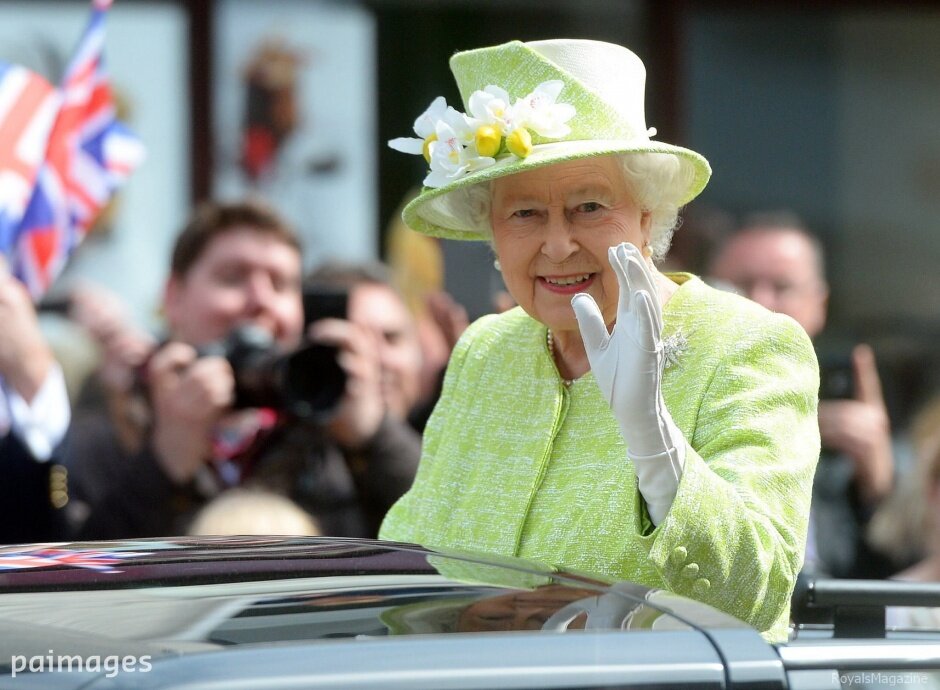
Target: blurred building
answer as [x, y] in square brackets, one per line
[828, 109]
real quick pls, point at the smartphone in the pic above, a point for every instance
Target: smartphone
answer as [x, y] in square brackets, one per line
[322, 302]
[836, 378]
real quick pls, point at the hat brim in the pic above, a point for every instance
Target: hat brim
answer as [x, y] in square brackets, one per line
[431, 212]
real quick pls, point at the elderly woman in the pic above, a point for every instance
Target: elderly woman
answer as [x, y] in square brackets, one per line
[619, 421]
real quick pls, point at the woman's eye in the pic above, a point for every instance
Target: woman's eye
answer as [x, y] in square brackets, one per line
[589, 207]
[523, 213]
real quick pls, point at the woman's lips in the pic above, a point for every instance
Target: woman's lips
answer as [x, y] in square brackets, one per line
[568, 284]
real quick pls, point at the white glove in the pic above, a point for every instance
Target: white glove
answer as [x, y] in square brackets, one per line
[628, 365]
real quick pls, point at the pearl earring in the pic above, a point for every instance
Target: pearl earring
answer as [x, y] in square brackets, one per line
[496, 265]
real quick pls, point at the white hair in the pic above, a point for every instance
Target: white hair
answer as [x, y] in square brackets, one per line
[658, 182]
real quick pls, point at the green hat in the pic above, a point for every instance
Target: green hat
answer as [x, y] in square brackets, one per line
[528, 105]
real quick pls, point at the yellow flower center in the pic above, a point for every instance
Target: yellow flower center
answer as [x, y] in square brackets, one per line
[426, 149]
[488, 139]
[520, 142]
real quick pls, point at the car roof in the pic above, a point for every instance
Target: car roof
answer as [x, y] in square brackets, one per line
[277, 574]
[284, 612]
[281, 603]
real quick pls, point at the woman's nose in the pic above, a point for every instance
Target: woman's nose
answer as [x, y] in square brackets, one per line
[559, 242]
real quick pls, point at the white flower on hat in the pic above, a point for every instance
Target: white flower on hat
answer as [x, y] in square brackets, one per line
[455, 144]
[459, 124]
[451, 159]
[540, 111]
[491, 106]
[425, 128]
[491, 117]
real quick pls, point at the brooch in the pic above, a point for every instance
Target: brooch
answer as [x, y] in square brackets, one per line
[673, 346]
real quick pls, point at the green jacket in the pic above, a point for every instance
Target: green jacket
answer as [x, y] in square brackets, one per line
[516, 463]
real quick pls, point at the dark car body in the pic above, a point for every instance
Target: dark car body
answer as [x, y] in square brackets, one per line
[261, 612]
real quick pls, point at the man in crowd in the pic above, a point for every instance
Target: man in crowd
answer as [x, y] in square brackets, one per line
[775, 261]
[234, 266]
[34, 416]
[376, 307]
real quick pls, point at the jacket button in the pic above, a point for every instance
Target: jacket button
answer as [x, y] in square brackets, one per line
[701, 585]
[690, 571]
[679, 554]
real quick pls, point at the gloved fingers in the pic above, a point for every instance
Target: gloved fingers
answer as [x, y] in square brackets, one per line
[648, 330]
[641, 280]
[640, 276]
[624, 300]
[590, 322]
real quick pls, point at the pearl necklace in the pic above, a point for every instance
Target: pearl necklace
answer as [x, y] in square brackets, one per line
[550, 340]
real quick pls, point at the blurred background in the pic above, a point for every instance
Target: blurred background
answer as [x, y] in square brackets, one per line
[827, 109]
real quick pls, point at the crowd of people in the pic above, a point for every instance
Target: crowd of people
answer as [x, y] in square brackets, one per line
[651, 425]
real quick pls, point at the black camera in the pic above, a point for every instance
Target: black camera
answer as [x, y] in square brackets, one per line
[307, 382]
[325, 302]
[836, 378]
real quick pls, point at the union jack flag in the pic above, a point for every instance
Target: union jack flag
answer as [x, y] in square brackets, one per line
[85, 157]
[28, 106]
[100, 561]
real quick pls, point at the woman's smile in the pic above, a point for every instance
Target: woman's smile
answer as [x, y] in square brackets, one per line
[569, 284]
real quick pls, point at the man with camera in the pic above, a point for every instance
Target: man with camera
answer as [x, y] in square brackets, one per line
[775, 261]
[366, 294]
[239, 396]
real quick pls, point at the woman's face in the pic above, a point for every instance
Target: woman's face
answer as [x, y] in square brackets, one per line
[551, 230]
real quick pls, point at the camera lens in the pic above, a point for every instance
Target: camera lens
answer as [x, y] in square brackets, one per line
[313, 381]
[307, 382]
